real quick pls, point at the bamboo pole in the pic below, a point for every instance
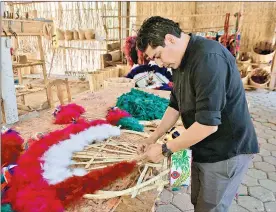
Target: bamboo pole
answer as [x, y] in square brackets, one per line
[111, 194]
[127, 19]
[120, 26]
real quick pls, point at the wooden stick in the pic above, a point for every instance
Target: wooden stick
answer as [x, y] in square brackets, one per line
[89, 163]
[102, 154]
[98, 158]
[135, 132]
[111, 194]
[98, 162]
[111, 150]
[124, 148]
[140, 180]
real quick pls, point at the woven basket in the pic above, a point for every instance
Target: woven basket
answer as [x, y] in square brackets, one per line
[89, 34]
[123, 148]
[113, 72]
[69, 35]
[119, 82]
[123, 70]
[60, 34]
[76, 35]
[244, 69]
[244, 60]
[95, 80]
[81, 34]
[258, 56]
[255, 84]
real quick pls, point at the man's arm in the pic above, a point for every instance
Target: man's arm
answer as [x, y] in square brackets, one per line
[196, 133]
[168, 121]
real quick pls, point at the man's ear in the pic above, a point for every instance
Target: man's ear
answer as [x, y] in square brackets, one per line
[169, 39]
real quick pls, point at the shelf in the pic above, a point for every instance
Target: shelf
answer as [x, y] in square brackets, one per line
[24, 27]
[29, 63]
[52, 76]
[28, 91]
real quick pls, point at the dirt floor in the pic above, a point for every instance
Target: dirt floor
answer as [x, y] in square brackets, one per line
[37, 99]
[142, 203]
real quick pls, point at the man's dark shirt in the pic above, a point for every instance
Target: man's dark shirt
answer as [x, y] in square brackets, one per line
[208, 90]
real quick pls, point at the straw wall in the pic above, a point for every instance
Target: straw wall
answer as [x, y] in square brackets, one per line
[78, 56]
[258, 21]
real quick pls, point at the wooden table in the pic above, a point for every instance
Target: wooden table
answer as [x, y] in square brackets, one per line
[96, 105]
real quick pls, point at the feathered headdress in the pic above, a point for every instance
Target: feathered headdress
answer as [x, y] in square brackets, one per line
[129, 48]
[118, 117]
[66, 114]
[12, 146]
[43, 181]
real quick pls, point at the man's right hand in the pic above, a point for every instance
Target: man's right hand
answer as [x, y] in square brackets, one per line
[143, 145]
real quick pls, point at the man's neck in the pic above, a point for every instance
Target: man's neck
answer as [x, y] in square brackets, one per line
[184, 39]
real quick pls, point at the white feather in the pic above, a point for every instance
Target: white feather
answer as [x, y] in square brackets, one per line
[79, 172]
[58, 157]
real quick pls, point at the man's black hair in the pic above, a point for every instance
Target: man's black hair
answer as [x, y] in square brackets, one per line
[134, 55]
[153, 31]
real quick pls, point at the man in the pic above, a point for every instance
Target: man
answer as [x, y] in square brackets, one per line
[209, 96]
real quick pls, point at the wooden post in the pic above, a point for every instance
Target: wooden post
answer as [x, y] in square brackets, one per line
[128, 18]
[44, 71]
[42, 58]
[120, 24]
[50, 96]
[272, 84]
[68, 90]
[7, 83]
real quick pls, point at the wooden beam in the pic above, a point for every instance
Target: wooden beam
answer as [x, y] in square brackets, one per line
[24, 107]
[272, 83]
[120, 23]
[23, 27]
[128, 18]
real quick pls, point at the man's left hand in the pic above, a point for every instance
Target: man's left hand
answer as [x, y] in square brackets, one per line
[154, 153]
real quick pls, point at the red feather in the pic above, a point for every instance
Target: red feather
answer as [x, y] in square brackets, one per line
[129, 44]
[115, 114]
[67, 113]
[75, 107]
[11, 147]
[72, 189]
[28, 172]
[30, 192]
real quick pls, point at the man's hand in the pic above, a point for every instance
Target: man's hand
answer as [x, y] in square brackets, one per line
[144, 144]
[154, 153]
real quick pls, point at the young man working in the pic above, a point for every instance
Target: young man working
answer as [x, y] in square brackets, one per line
[209, 96]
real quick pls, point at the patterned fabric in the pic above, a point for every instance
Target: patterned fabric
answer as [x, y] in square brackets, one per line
[181, 168]
[6, 175]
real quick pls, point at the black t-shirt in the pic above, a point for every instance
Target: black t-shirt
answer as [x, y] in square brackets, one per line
[208, 90]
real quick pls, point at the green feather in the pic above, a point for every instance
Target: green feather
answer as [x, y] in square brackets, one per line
[131, 123]
[2, 178]
[6, 208]
[143, 105]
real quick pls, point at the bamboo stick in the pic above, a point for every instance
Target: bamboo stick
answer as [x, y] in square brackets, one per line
[98, 158]
[98, 162]
[111, 194]
[136, 133]
[140, 180]
[111, 150]
[89, 162]
[124, 148]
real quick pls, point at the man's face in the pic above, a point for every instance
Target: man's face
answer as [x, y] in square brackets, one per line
[169, 56]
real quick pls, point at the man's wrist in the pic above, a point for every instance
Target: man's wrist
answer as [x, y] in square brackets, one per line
[170, 146]
[154, 138]
[166, 151]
